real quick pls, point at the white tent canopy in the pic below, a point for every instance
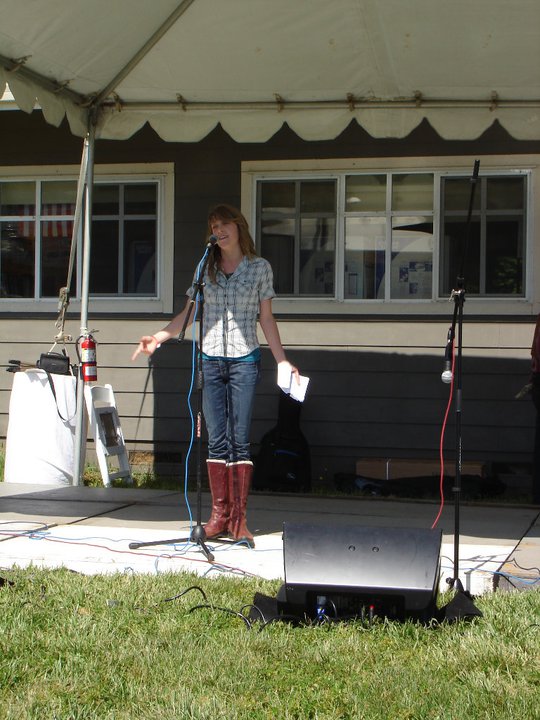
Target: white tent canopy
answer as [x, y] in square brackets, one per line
[252, 65]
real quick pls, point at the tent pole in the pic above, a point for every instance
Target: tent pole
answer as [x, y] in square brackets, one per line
[80, 434]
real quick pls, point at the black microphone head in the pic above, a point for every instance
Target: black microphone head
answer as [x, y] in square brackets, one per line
[212, 240]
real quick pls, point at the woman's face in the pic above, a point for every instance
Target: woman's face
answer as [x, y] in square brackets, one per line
[226, 232]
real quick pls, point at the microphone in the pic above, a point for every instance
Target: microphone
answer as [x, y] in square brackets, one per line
[446, 375]
[212, 240]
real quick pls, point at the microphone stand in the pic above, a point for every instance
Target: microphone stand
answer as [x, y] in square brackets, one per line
[198, 534]
[458, 295]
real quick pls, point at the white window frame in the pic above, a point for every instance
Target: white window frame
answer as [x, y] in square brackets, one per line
[253, 171]
[163, 175]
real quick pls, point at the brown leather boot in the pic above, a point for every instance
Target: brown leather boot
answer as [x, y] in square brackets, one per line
[240, 475]
[219, 488]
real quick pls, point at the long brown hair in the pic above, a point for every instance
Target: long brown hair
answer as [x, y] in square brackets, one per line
[228, 213]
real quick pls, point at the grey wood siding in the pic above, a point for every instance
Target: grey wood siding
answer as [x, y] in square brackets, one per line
[362, 402]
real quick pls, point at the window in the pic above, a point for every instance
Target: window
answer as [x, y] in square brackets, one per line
[393, 236]
[297, 231]
[128, 246]
[490, 255]
[388, 236]
[124, 239]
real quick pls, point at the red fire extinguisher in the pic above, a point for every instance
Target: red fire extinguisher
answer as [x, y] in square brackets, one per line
[88, 358]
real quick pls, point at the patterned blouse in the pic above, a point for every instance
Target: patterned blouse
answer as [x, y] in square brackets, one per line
[231, 306]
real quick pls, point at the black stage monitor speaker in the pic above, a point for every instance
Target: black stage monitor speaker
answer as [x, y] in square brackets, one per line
[354, 571]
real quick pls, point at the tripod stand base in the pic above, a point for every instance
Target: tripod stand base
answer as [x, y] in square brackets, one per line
[461, 607]
[198, 537]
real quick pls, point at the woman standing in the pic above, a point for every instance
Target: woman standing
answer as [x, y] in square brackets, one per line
[238, 288]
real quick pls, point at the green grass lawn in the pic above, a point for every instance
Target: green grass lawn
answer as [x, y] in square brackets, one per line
[126, 647]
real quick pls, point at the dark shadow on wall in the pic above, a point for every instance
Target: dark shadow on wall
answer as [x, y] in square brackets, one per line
[371, 405]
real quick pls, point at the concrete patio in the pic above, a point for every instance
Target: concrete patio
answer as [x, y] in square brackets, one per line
[89, 530]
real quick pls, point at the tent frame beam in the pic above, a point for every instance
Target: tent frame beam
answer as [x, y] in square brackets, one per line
[102, 100]
[356, 104]
[98, 99]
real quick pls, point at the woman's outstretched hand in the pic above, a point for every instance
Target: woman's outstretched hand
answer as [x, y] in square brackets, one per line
[147, 345]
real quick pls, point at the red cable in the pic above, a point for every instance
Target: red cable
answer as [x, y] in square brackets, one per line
[441, 443]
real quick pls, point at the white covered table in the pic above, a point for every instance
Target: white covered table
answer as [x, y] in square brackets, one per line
[40, 446]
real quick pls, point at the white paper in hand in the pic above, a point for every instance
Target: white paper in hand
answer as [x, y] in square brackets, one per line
[287, 382]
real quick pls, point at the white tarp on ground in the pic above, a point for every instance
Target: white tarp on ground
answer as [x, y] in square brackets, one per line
[253, 65]
[95, 550]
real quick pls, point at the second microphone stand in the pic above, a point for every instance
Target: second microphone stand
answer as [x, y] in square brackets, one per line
[464, 607]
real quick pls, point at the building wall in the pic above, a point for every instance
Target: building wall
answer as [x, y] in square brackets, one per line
[375, 381]
[379, 395]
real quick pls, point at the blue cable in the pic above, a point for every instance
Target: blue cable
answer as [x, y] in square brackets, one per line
[190, 391]
[191, 440]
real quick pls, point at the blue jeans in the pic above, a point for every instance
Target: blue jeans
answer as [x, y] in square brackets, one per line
[228, 394]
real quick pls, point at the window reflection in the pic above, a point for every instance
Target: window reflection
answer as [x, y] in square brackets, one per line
[317, 247]
[36, 238]
[387, 224]
[17, 198]
[412, 191]
[412, 258]
[277, 246]
[140, 257]
[365, 243]
[365, 193]
[297, 235]
[17, 259]
[489, 253]
[105, 199]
